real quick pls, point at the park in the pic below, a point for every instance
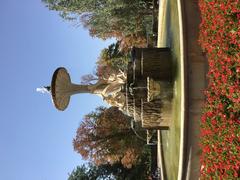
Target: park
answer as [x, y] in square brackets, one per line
[173, 77]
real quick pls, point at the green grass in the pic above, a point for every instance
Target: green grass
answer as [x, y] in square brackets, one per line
[171, 137]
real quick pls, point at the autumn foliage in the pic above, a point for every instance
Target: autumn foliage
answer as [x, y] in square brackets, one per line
[125, 20]
[220, 122]
[111, 61]
[105, 136]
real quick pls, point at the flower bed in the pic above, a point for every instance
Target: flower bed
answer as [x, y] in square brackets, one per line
[220, 122]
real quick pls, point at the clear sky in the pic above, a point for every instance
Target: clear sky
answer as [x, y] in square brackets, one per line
[35, 138]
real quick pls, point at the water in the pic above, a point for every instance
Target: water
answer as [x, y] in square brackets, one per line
[42, 90]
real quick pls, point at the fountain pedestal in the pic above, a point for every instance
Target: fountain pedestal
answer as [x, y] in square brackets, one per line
[149, 87]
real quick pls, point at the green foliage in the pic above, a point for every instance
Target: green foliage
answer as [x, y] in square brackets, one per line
[80, 173]
[111, 61]
[106, 18]
[115, 171]
[115, 19]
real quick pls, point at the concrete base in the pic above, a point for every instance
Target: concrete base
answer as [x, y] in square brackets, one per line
[195, 70]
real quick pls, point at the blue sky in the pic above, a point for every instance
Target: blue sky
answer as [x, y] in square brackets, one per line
[35, 138]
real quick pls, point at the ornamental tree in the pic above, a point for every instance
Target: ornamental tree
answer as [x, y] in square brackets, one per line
[105, 136]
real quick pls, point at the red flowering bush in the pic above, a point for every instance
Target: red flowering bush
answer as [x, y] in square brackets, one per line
[220, 122]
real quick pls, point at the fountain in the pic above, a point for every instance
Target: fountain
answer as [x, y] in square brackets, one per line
[144, 92]
[149, 87]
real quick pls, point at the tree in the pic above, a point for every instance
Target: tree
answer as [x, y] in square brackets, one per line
[91, 172]
[105, 136]
[111, 61]
[115, 171]
[107, 18]
[88, 79]
[80, 173]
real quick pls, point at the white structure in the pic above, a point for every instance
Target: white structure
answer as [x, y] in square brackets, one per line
[62, 89]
